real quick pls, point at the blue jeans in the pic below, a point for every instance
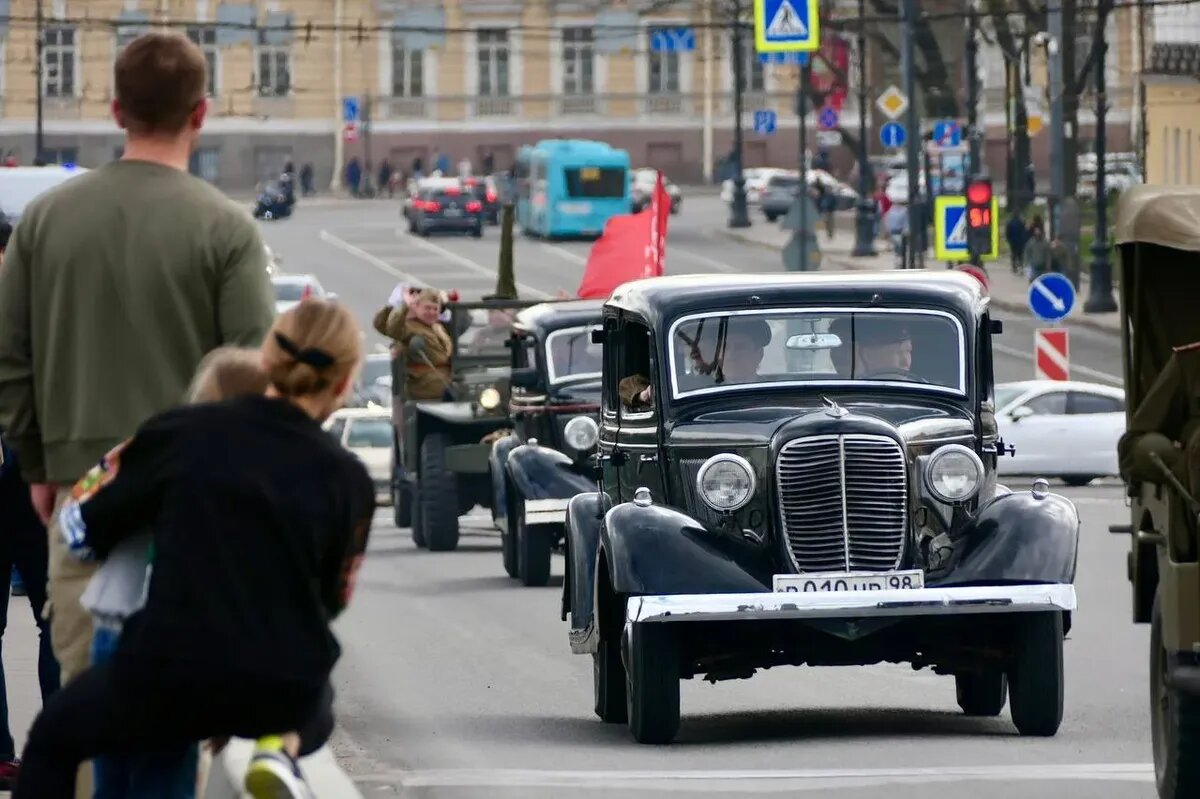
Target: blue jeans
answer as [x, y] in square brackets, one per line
[166, 774]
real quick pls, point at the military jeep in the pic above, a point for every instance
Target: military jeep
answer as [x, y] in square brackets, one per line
[441, 447]
[1158, 231]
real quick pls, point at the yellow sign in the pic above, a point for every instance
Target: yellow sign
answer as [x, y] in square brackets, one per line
[1034, 125]
[950, 229]
[787, 26]
[892, 103]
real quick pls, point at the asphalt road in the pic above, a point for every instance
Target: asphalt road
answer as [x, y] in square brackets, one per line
[456, 682]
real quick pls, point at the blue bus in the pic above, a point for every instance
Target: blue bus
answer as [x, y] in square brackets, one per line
[570, 187]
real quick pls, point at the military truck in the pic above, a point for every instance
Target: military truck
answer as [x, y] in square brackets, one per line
[441, 447]
[1158, 233]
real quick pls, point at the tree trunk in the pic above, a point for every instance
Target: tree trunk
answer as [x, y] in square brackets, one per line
[1073, 87]
[506, 285]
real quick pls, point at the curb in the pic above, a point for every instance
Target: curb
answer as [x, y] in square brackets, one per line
[324, 776]
[852, 266]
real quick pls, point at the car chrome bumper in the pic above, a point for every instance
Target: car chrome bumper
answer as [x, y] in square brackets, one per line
[852, 604]
[546, 511]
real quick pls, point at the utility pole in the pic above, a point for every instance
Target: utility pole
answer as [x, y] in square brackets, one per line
[368, 167]
[864, 227]
[39, 145]
[916, 212]
[1100, 299]
[1054, 51]
[804, 234]
[974, 135]
[739, 216]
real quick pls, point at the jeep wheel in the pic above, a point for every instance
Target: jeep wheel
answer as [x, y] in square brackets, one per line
[1035, 678]
[981, 693]
[418, 527]
[402, 510]
[438, 495]
[533, 551]
[1078, 480]
[652, 683]
[1174, 724]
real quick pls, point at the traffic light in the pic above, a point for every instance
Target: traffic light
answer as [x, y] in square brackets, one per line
[979, 218]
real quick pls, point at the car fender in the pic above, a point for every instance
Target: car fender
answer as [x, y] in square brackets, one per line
[658, 550]
[1013, 538]
[585, 517]
[498, 469]
[544, 473]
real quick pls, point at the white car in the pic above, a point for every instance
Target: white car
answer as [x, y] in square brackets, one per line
[367, 432]
[20, 185]
[1064, 429]
[756, 180]
[273, 262]
[641, 188]
[291, 289]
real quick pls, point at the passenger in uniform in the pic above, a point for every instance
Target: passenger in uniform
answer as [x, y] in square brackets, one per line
[425, 377]
[1167, 422]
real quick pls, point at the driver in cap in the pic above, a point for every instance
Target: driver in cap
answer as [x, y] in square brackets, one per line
[881, 346]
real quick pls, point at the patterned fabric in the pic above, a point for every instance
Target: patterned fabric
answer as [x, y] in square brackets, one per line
[71, 525]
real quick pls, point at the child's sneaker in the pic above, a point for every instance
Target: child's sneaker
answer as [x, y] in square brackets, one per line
[273, 774]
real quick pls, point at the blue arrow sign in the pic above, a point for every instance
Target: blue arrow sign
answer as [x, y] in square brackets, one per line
[947, 133]
[672, 40]
[1051, 297]
[764, 121]
[828, 119]
[892, 135]
[786, 26]
[349, 109]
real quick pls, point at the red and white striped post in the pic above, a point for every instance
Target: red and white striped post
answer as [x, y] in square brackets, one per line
[1052, 354]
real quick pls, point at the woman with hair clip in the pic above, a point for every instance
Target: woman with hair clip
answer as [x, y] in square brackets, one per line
[260, 521]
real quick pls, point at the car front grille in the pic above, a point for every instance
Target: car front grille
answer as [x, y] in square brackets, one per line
[843, 502]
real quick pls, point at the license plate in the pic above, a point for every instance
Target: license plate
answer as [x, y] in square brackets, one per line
[847, 581]
[453, 212]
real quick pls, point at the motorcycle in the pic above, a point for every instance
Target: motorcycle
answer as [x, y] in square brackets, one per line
[276, 200]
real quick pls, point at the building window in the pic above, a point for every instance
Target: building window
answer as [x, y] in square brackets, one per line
[664, 67]
[60, 155]
[58, 62]
[408, 71]
[754, 76]
[578, 61]
[493, 58]
[205, 37]
[274, 68]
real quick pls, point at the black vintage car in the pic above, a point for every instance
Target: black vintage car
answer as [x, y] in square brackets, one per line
[546, 460]
[801, 470]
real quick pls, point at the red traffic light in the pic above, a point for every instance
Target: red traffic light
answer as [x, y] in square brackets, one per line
[979, 192]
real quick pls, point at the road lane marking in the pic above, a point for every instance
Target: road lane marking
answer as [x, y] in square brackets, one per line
[464, 261]
[373, 260]
[561, 252]
[1075, 367]
[774, 781]
[720, 266]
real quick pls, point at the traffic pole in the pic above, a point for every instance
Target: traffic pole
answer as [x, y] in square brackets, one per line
[1100, 297]
[916, 221]
[865, 217]
[739, 215]
[802, 197]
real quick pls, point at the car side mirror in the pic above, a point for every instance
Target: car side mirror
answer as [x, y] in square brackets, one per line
[995, 326]
[526, 378]
[1023, 412]
[598, 336]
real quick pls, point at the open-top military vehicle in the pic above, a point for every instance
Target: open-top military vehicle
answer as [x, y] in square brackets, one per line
[1158, 231]
[442, 446]
[801, 470]
[546, 460]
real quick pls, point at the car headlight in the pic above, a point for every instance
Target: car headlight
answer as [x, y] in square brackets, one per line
[725, 482]
[953, 473]
[580, 433]
[489, 399]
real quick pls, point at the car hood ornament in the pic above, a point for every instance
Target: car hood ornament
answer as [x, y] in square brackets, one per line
[833, 409]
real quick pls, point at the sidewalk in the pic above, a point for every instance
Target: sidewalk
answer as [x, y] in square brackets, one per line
[1009, 292]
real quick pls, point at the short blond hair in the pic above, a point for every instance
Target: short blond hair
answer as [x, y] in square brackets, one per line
[228, 372]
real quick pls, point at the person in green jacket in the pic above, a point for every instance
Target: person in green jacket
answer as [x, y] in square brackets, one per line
[114, 287]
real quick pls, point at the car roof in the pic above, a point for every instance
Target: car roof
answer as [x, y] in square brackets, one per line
[361, 413]
[295, 279]
[665, 298]
[1025, 386]
[547, 317]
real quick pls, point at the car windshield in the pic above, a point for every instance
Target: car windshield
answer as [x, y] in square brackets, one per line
[721, 352]
[1006, 394]
[485, 332]
[570, 353]
[289, 291]
[784, 183]
[374, 433]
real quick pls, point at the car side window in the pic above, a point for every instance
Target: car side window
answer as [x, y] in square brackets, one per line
[1083, 402]
[1053, 403]
[635, 371]
[337, 429]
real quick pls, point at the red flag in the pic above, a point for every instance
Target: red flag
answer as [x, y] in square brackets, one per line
[633, 246]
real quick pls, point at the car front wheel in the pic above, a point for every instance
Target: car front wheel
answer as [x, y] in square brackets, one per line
[533, 551]
[401, 503]
[1035, 677]
[508, 537]
[1174, 723]
[652, 682]
[438, 496]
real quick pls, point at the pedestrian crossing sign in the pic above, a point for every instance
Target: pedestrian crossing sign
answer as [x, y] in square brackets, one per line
[950, 229]
[786, 26]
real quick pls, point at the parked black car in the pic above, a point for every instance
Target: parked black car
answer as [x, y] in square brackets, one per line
[801, 470]
[487, 192]
[547, 458]
[445, 209]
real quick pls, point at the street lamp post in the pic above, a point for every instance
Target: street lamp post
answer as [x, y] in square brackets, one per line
[39, 147]
[739, 216]
[864, 220]
[1100, 298]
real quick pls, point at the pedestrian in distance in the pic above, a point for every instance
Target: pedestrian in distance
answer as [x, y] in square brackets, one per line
[354, 176]
[119, 590]
[385, 178]
[306, 180]
[115, 285]
[1016, 234]
[1037, 250]
[260, 522]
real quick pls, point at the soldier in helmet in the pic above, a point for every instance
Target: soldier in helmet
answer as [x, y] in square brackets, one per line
[1167, 422]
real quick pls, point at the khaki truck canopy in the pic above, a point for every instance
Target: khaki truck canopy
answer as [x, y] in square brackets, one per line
[1158, 232]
